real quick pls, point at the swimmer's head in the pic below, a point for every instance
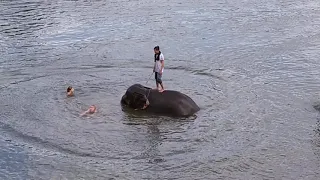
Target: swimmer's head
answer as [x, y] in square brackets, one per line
[92, 109]
[70, 91]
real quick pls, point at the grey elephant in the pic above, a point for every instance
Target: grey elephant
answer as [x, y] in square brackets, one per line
[169, 102]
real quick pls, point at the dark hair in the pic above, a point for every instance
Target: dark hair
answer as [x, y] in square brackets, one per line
[156, 48]
[69, 89]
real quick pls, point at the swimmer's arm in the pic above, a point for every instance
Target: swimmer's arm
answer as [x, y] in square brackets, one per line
[84, 113]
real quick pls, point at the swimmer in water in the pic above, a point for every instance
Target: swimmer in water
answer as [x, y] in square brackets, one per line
[70, 91]
[92, 109]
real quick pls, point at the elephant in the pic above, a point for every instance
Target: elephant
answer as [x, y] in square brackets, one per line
[168, 102]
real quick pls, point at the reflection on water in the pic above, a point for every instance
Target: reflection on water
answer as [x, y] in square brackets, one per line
[252, 66]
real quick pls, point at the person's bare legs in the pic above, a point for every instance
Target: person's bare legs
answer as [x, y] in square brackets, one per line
[162, 89]
[157, 86]
[160, 82]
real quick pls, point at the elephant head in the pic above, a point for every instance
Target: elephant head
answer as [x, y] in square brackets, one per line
[136, 100]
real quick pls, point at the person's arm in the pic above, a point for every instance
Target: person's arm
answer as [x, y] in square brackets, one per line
[162, 62]
[84, 113]
[162, 65]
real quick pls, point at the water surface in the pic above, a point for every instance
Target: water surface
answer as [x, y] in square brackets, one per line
[252, 66]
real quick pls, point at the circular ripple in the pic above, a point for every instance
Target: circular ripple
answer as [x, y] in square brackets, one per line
[46, 118]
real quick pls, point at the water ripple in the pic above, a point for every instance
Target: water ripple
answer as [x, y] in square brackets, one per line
[252, 66]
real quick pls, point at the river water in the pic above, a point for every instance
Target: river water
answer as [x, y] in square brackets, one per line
[251, 65]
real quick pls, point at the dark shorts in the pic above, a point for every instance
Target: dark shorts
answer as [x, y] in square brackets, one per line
[158, 77]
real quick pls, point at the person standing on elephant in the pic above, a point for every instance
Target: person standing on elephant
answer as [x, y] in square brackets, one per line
[158, 67]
